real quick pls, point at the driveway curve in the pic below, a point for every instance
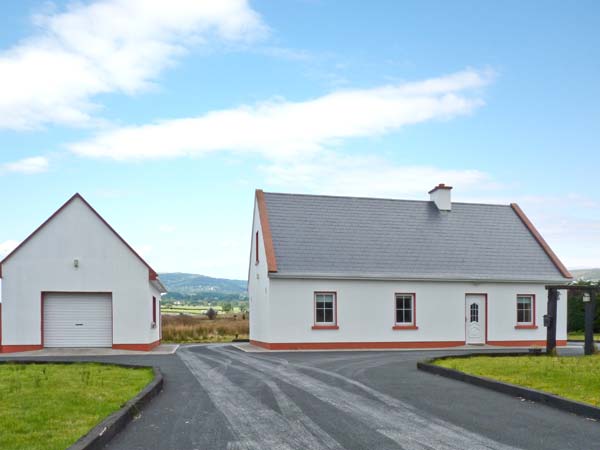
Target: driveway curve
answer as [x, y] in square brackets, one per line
[218, 397]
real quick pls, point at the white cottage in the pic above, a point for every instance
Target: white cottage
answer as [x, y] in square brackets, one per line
[345, 272]
[74, 282]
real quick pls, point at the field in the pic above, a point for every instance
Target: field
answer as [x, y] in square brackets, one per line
[50, 406]
[194, 310]
[198, 328]
[574, 377]
[580, 336]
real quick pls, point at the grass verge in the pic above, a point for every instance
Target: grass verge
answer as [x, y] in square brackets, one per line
[574, 377]
[50, 406]
[580, 336]
[183, 328]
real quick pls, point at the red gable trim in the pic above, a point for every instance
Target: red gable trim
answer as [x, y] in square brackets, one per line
[152, 275]
[266, 231]
[536, 234]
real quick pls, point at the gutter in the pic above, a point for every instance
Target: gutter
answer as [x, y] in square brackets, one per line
[158, 285]
[387, 277]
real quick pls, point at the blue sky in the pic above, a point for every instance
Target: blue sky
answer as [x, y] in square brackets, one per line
[167, 123]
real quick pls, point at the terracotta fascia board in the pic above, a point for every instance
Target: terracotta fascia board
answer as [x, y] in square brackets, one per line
[536, 234]
[266, 231]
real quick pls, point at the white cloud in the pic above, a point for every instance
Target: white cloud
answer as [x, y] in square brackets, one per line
[107, 46]
[282, 129]
[369, 177]
[7, 246]
[568, 222]
[28, 166]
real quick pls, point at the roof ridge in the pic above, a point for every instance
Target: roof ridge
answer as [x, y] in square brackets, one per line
[291, 194]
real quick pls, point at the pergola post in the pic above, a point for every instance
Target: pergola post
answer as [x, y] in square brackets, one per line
[551, 321]
[590, 311]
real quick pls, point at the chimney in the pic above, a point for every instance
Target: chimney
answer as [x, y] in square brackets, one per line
[440, 195]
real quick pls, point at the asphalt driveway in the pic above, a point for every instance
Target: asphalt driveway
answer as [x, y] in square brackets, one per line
[222, 398]
[218, 397]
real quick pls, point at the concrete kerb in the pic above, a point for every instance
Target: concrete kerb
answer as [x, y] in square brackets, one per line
[554, 401]
[102, 433]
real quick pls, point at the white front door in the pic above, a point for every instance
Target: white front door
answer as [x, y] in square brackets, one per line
[475, 319]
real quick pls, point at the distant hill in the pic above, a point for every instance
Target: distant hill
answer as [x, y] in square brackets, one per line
[587, 274]
[190, 283]
[200, 288]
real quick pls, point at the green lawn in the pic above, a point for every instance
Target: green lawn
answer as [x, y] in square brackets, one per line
[574, 377]
[50, 406]
[580, 336]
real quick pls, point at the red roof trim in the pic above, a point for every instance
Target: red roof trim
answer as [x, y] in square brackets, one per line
[536, 234]
[152, 274]
[266, 231]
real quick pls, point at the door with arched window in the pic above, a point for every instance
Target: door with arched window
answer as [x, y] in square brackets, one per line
[475, 319]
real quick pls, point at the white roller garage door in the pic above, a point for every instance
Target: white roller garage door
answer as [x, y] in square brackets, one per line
[77, 320]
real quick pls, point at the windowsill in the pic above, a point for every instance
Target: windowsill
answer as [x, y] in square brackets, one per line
[405, 327]
[325, 327]
[526, 327]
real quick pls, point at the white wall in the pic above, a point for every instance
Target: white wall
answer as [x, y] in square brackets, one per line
[258, 286]
[366, 311]
[45, 263]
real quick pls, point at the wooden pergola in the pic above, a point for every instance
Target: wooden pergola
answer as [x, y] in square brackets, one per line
[590, 309]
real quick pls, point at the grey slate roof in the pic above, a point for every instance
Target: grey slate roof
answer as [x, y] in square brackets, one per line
[368, 237]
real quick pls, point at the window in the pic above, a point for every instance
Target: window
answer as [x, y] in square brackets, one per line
[525, 309]
[474, 312]
[154, 308]
[405, 310]
[256, 248]
[325, 309]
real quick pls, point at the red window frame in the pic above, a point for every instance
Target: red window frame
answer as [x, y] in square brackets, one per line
[256, 249]
[153, 309]
[402, 325]
[525, 325]
[323, 326]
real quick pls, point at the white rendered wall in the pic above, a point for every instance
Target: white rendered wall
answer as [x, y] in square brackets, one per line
[258, 286]
[45, 263]
[366, 311]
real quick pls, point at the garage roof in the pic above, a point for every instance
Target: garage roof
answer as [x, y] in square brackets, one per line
[152, 274]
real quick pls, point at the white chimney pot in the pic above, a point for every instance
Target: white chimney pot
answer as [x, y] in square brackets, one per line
[441, 196]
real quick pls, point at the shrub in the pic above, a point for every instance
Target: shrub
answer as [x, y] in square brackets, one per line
[182, 328]
[575, 314]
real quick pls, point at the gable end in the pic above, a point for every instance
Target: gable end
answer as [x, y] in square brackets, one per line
[538, 237]
[152, 274]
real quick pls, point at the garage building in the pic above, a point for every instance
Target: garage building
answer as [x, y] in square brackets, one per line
[74, 282]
